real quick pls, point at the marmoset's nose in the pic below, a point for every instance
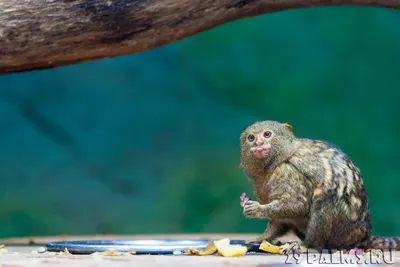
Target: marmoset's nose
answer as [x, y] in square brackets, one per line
[259, 142]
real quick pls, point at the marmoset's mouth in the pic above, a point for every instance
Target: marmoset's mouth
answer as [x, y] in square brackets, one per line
[260, 151]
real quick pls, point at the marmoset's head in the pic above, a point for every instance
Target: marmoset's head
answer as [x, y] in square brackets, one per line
[266, 141]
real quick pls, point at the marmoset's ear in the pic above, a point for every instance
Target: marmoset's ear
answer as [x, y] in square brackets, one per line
[288, 126]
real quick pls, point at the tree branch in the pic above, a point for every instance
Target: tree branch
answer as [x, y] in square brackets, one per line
[42, 34]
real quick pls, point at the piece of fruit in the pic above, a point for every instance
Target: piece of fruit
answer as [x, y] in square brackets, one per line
[244, 198]
[210, 249]
[268, 247]
[222, 242]
[227, 250]
[224, 249]
[106, 253]
[65, 252]
[233, 251]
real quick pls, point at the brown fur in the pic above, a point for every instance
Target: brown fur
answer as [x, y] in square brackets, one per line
[310, 187]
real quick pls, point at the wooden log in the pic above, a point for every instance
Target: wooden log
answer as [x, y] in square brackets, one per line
[43, 34]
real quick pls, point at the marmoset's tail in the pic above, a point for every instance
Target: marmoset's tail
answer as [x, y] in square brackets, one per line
[378, 242]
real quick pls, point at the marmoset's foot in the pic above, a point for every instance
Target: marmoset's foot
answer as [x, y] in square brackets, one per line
[295, 247]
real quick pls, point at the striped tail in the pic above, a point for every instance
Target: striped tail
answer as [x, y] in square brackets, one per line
[385, 243]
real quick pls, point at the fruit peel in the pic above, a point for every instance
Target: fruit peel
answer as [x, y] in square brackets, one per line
[210, 249]
[223, 248]
[268, 247]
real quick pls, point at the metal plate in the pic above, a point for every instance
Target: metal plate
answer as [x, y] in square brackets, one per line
[150, 246]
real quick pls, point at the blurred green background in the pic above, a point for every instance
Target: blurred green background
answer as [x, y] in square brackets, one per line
[149, 143]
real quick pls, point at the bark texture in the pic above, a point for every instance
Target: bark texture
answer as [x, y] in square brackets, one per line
[42, 34]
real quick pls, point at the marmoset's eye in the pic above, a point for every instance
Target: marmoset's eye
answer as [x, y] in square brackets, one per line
[251, 138]
[267, 134]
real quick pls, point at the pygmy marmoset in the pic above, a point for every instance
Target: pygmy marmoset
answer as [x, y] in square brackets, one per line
[308, 186]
